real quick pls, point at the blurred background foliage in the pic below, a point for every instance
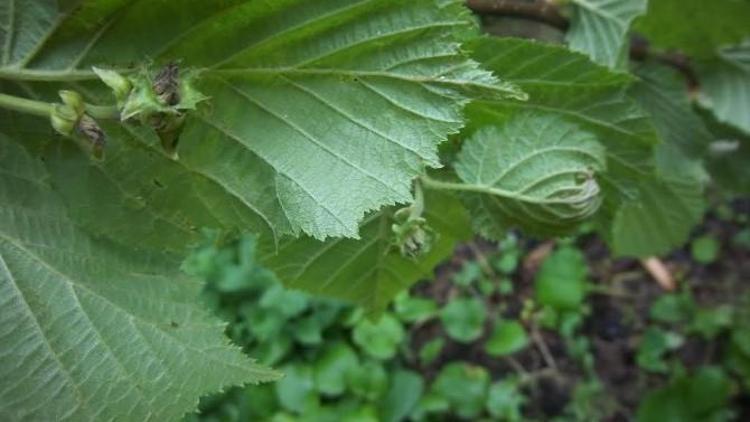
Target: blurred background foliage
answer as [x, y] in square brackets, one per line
[508, 331]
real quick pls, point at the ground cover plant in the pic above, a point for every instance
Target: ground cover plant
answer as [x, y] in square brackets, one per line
[345, 148]
[518, 330]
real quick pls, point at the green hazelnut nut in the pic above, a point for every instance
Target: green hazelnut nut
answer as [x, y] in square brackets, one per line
[418, 243]
[119, 84]
[64, 119]
[74, 100]
[413, 237]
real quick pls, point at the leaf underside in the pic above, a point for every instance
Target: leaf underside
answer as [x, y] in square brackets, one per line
[92, 332]
[320, 112]
[725, 86]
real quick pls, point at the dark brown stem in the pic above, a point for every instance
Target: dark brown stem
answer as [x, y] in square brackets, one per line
[537, 10]
[547, 11]
[641, 51]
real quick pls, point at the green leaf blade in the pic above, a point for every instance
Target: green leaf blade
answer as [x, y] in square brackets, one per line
[304, 96]
[77, 308]
[508, 337]
[368, 271]
[599, 28]
[661, 219]
[695, 27]
[725, 86]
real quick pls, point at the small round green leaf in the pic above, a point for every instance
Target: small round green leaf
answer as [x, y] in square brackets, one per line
[404, 392]
[465, 387]
[504, 401]
[654, 345]
[508, 337]
[368, 381]
[463, 319]
[308, 331]
[296, 391]
[705, 249]
[414, 309]
[379, 339]
[470, 272]
[288, 302]
[431, 350]
[561, 282]
[331, 369]
[672, 308]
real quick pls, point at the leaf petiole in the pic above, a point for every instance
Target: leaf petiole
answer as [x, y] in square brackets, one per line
[103, 112]
[417, 208]
[24, 105]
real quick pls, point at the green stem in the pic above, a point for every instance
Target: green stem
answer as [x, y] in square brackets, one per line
[103, 112]
[46, 75]
[43, 109]
[23, 105]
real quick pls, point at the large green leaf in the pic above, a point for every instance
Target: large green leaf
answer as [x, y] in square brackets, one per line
[696, 27]
[568, 85]
[92, 332]
[663, 93]
[660, 220]
[369, 271]
[320, 111]
[729, 155]
[599, 28]
[675, 202]
[725, 86]
[537, 172]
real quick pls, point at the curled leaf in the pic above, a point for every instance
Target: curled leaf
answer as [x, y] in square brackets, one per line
[537, 172]
[412, 236]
